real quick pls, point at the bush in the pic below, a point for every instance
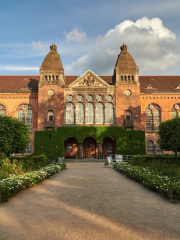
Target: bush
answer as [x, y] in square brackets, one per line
[167, 186]
[14, 183]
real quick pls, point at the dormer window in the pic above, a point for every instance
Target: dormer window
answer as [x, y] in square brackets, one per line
[149, 87]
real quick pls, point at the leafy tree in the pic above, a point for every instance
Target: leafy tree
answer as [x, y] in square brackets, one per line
[169, 135]
[14, 135]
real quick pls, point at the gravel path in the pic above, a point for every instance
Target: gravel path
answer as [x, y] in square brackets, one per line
[89, 201]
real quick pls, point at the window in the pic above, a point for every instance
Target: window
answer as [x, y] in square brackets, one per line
[53, 77]
[121, 78]
[157, 149]
[80, 113]
[28, 149]
[150, 147]
[50, 116]
[128, 115]
[89, 113]
[45, 77]
[109, 148]
[69, 148]
[109, 114]
[2, 110]
[24, 114]
[56, 77]
[70, 113]
[125, 78]
[128, 78]
[99, 113]
[152, 117]
[49, 77]
[175, 110]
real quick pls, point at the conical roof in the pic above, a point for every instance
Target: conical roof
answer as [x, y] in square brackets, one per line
[52, 59]
[125, 60]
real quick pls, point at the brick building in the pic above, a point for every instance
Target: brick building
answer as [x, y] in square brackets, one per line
[52, 99]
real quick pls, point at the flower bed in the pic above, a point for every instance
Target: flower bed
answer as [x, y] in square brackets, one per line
[14, 183]
[167, 186]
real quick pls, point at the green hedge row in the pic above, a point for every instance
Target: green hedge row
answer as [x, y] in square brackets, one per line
[167, 186]
[144, 160]
[51, 142]
[12, 185]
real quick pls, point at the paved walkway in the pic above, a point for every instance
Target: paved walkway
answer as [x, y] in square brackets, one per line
[89, 201]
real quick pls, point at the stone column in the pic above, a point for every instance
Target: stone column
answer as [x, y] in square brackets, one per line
[80, 150]
[100, 151]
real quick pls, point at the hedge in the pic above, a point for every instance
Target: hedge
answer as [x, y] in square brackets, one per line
[51, 142]
[12, 185]
[144, 160]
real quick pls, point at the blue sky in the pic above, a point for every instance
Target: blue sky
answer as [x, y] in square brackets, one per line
[89, 35]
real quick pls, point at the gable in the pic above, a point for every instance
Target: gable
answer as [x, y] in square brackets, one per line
[89, 80]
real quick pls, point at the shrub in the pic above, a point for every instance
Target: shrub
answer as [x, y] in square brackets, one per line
[14, 183]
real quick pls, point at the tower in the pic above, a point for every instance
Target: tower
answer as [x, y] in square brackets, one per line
[51, 91]
[126, 80]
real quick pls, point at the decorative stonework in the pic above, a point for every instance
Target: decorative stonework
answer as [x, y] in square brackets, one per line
[89, 81]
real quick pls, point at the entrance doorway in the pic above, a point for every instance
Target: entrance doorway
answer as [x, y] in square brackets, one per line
[89, 147]
[70, 148]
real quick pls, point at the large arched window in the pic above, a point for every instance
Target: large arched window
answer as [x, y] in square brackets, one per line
[2, 110]
[24, 114]
[79, 113]
[150, 147]
[175, 110]
[109, 115]
[99, 113]
[152, 117]
[89, 113]
[70, 113]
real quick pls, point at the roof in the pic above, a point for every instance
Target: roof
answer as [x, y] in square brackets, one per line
[148, 84]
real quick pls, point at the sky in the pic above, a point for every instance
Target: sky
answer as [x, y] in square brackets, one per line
[89, 34]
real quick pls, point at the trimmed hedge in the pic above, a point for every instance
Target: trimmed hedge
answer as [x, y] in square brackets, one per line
[143, 160]
[51, 142]
[12, 185]
[165, 185]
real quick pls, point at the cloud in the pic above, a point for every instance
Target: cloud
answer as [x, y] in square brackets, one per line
[17, 68]
[38, 46]
[152, 46]
[76, 35]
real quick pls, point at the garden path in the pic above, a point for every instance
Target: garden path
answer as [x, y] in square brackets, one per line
[88, 201]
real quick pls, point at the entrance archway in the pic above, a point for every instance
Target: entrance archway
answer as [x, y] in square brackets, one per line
[70, 148]
[109, 146]
[89, 148]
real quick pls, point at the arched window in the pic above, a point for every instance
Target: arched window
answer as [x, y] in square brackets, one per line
[121, 78]
[28, 149]
[79, 113]
[109, 114]
[24, 114]
[2, 110]
[125, 78]
[70, 113]
[99, 113]
[132, 78]
[150, 147]
[152, 117]
[89, 113]
[50, 116]
[175, 110]
[128, 115]
[128, 78]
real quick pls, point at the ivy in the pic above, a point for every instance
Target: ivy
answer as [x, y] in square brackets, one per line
[51, 142]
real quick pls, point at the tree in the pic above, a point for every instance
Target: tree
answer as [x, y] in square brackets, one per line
[169, 135]
[14, 135]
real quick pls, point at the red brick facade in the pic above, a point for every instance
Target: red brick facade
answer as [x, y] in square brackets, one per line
[54, 98]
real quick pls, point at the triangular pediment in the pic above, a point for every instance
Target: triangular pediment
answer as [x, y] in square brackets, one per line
[89, 80]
